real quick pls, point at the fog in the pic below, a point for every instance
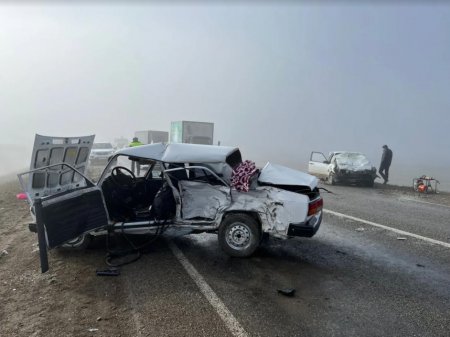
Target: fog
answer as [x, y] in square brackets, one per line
[278, 80]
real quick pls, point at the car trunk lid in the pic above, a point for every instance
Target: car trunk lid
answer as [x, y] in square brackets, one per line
[47, 153]
[275, 174]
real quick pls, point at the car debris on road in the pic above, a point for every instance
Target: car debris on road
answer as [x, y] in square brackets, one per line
[289, 292]
[108, 272]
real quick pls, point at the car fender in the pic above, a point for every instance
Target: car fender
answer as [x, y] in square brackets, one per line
[276, 208]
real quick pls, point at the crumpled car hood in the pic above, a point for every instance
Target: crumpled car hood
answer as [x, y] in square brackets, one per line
[353, 162]
[281, 175]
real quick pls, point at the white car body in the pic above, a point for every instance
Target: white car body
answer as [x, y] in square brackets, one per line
[281, 201]
[342, 166]
[101, 153]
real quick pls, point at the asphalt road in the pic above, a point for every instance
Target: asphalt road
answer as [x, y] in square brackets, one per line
[351, 279]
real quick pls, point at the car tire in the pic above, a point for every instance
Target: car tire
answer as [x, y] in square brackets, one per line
[79, 243]
[370, 183]
[331, 179]
[239, 235]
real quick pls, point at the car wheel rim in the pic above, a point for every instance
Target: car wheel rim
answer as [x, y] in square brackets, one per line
[238, 236]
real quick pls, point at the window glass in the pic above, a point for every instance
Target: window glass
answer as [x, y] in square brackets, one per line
[103, 146]
[318, 157]
[78, 177]
[66, 177]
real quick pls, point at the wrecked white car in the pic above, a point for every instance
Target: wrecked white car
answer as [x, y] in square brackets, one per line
[182, 187]
[342, 167]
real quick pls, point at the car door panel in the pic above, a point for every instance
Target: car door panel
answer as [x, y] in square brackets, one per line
[201, 200]
[318, 165]
[67, 215]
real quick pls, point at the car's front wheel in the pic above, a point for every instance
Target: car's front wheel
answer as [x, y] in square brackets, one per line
[239, 235]
[79, 243]
[370, 182]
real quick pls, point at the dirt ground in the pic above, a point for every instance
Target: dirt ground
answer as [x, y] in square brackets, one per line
[66, 301]
[62, 302]
[442, 198]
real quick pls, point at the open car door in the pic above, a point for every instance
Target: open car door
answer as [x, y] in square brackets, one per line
[318, 165]
[64, 202]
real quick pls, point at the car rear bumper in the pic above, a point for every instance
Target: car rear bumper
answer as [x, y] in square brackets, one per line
[306, 229]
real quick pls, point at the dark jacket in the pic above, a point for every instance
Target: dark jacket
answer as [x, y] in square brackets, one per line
[386, 158]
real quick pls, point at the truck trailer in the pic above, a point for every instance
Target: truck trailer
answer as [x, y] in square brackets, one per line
[152, 136]
[192, 132]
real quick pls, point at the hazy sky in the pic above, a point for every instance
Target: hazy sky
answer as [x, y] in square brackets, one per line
[277, 80]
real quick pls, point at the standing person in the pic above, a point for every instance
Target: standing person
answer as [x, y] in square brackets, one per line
[386, 160]
[135, 166]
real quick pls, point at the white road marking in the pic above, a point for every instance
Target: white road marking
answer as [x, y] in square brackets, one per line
[395, 230]
[424, 202]
[230, 321]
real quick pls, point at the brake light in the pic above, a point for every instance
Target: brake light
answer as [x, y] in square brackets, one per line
[315, 206]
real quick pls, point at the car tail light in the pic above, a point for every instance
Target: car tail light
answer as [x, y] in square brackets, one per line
[315, 206]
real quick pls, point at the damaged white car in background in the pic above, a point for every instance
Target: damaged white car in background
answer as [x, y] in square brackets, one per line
[342, 167]
[179, 187]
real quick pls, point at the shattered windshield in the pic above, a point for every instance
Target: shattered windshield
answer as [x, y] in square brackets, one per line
[351, 158]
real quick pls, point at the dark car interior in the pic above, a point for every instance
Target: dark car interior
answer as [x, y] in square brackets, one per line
[128, 197]
[132, 198]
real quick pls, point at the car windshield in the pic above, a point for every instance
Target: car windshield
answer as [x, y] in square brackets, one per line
[351, 157]
[102, 146]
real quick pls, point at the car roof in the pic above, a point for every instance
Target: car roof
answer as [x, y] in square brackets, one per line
[102, 144]
[181, 153]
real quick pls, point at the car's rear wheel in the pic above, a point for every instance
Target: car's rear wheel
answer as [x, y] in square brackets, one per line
[79, 243]
[239, 235]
